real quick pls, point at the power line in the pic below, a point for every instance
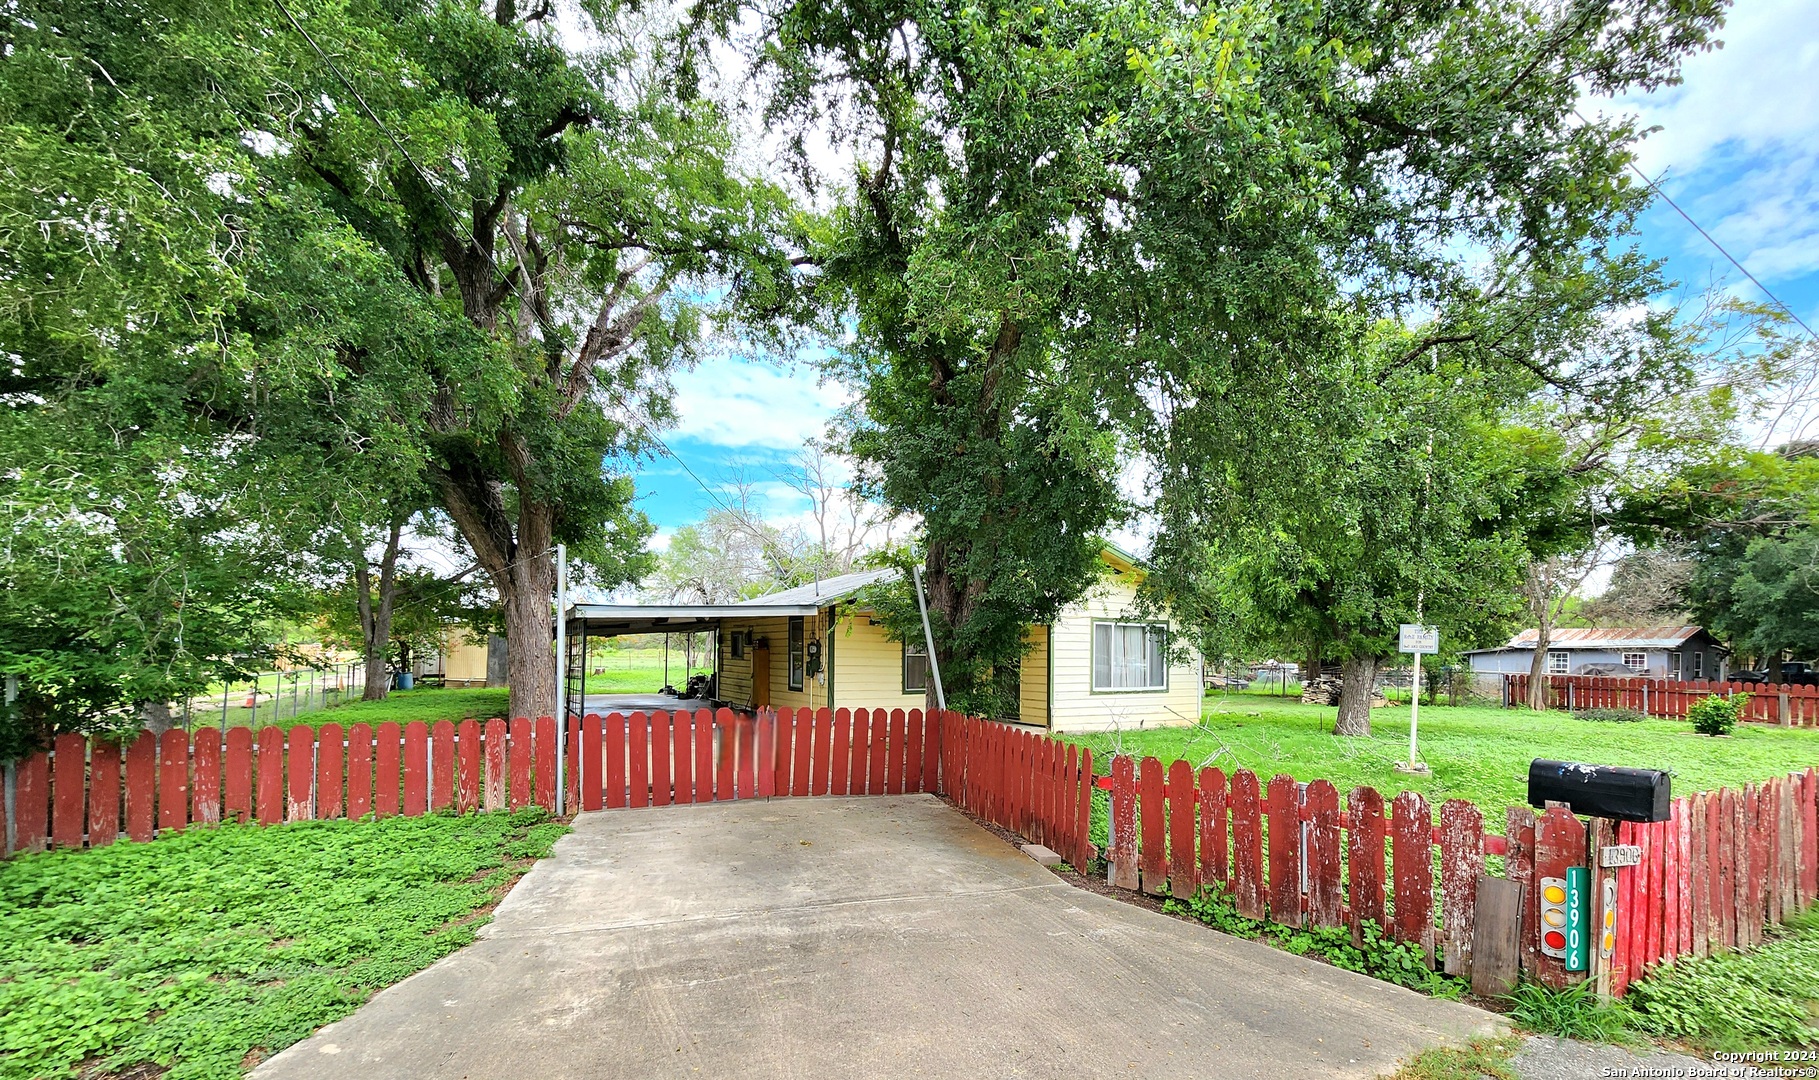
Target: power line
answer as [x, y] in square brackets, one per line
[1744, 270]
[454, 218]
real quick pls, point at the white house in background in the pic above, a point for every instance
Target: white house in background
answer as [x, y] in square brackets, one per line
[1656, 652]
[1099, 665]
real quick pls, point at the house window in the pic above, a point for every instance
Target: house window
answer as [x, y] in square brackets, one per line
[1698, 665]
[1673, 665]
[1559, 663]
[795, 652]
[738, 644]
[1635, 661]
[915, 669]
[1129, 656]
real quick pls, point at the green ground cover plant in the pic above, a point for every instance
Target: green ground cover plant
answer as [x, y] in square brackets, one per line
[1764, 999]
[1378, 956]
[205, 952]
[1478, 754]
[1572, 1012]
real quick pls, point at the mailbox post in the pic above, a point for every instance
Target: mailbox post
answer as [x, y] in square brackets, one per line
[1586, 904]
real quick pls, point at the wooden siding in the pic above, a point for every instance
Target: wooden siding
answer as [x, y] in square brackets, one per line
[1032, 696]
[1076, 707]
[736, 675]
[868, 670]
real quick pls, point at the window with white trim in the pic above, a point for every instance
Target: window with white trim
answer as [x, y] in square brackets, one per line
[1130, 656]
[915, 669]
[1559, 663]
[1635, 661]
[1698, 665]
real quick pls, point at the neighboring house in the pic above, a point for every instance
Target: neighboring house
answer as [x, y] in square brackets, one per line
[1098, 666]
[464, 660]
[1656, 652]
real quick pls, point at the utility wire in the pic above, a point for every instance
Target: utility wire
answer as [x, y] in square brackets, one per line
[454, 218]
[1744, 270]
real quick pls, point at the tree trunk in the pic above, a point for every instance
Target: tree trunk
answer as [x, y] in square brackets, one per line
[1540, 590]
[1537, 671]
[530, 657]
[1359, 680]
[155, 717]
[376, 623]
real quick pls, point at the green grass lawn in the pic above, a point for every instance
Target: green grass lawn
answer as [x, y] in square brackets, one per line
[208, 951]
[400, 706]
[639, 671]
[1479, 754]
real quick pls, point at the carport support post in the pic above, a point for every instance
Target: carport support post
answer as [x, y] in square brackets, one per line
[928, 635]
[562, 678]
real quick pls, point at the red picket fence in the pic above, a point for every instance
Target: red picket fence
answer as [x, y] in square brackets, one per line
[85, 791]
[1727, 864]
[1284, 851]
[1665, 698]
[1037, 787]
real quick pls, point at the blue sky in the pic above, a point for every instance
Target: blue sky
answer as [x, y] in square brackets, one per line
[1738, 150]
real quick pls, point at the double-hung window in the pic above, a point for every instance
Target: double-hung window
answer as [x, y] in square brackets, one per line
[1130, 656]
[1559, 663]
[1635, 661]
[795, 652]
[915, 669]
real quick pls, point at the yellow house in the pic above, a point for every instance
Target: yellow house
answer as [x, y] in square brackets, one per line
[1099, 665]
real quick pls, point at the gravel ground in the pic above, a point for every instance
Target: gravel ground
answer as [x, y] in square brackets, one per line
[1544, 1057]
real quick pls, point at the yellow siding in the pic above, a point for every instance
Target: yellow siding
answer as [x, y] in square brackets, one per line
[463, 662]
[1076, 707]
[868, 667]
[1032, 693]
[736, 675]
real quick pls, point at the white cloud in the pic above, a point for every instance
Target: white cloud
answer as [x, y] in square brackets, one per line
[1757, 91]
[1739, 141]
[736, 402]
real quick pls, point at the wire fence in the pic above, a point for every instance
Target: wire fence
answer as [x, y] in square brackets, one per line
[272, 697]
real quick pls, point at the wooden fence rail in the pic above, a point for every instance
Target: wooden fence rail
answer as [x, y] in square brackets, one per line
[1726, 865]
[90, 791]
[1787, 704]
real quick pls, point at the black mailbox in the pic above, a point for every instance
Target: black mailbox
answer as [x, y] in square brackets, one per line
[1606, 791]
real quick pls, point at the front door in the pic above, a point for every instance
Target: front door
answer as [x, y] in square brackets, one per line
[761, 676]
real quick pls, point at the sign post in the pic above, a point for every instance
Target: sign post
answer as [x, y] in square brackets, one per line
[1417, 639]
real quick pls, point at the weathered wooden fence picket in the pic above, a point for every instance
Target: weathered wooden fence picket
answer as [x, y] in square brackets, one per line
[1726, 865]
[1791, 705]
[90, 791]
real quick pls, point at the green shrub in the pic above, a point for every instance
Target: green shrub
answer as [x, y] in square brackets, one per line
[1398, 962]
[1715, 715]
[1619, 716]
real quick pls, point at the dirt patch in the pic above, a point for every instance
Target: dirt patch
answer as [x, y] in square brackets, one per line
[95, 1069]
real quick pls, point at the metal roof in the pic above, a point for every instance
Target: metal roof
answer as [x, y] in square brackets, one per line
[1607, 637]
[823, 592]
[611, 619]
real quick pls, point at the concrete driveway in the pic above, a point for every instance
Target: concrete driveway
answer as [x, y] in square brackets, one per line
[854, 937]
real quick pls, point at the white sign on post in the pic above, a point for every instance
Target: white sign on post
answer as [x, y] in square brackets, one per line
[1416, 638]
